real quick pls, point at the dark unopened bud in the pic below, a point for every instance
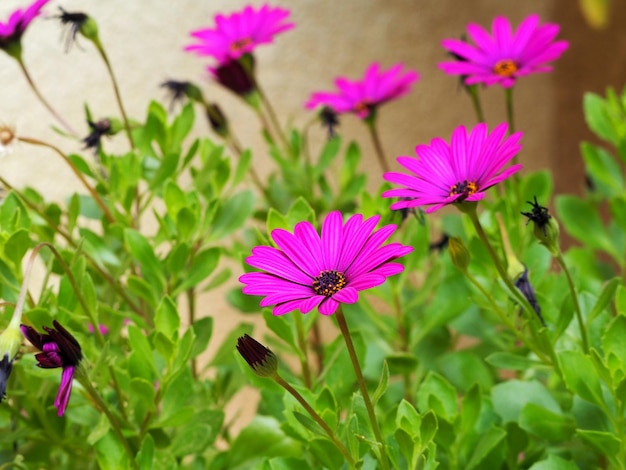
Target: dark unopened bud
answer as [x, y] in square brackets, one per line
[10, 341]
[263, 362]
[527, 290]
[237, 78]
[545, 227]
[458, 253]
[217, 120]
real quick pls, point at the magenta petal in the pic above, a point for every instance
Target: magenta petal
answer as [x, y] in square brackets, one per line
[347, 295]
[328, 306]
[65, 390]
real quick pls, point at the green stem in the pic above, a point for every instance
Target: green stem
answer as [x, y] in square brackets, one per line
[77, 172]
[318, 419]
[47, 105]
[118, 96]
[302, 345]
[273, 118]
[343, 326]
[101, 404]
[506, 320]
[378, 146]
[191, 307]
[473, 92]
[510, 116]
[498, 264]
[577, 309]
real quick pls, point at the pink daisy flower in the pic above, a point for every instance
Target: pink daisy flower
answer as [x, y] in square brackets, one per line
[240, 33]
[308, 270]
[363, 96]
[504, 56]
[11, 31]
[460, 171]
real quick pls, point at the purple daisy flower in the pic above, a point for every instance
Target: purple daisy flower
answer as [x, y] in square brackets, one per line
[308, 270]
[460, 171]
[58, 349]
[240, 32]
[363, 96]
[504, 56]
[11, 31]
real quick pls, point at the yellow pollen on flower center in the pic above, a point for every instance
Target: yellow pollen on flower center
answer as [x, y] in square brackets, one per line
[465, 188]
[505, 68]
[240, 44]
[329, 283]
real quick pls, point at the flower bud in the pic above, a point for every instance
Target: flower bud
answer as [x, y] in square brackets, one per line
[217, 120]
[10, 341]
[545, 227]
[263, 362]
[459, 253]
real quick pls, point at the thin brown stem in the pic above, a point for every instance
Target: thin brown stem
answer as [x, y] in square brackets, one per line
[77, 172]
[577, 309]
[43, 101]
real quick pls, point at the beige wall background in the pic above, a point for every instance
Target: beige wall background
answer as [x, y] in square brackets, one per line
[144, 40]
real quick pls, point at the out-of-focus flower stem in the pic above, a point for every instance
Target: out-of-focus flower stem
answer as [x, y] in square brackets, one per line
[273, 119]
[76, 171]
[118, 96]
[473, 92]
[510, 115]
[302, 344]
[47, 105]
[378, 146]
[343, 326]
[579, 314]
[102, 406]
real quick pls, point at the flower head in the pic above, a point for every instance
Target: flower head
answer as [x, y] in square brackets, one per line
[233, 75]
[452, 173]
[98, 130]
[362, 97]
[505, 55]
[240, 33]
[11, 31]
[545, 227]
[7, 139]
[526, 288]
[58, 349]
[308, 270]
[262, 360]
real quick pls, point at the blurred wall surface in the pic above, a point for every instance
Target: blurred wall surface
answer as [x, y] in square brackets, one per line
[145, 39]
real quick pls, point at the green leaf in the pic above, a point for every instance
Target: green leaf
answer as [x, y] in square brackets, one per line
[470, 410]
[142, 251]
[613, 344]
[232, 214]
[604, 443]
[408, 419]
[489, 442]
[99, 430]
[554, 462]
[145, 456]
[438, 394]
[597, 118]
[141, 347]
[110, 453]
[582, 221]
[545, 424]
[203, 329]
[167, 319]
[603, 169]
[605, 297]
[327, 156]
[17, 245]
[276, 220]
[225, 353]
[191, 440]
[300, 211]
[243, 166]
[383, 383]
[580, 377]
[509, 361]
[509, 398]
[326, 452]
[202, 266]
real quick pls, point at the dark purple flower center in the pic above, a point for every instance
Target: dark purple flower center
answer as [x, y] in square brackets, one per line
[329, 283]
[465, 188]
[505, 68]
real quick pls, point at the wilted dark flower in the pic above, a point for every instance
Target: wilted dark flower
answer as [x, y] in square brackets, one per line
[526, 288]
[179, 90]
[98, 129]
[73, 21]
[6, 365]
[330, 120]
[263, 362]
[440, 244]
[217, 120]
[58, 349]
